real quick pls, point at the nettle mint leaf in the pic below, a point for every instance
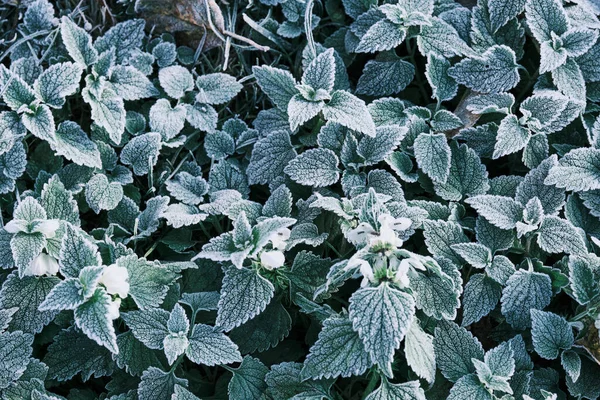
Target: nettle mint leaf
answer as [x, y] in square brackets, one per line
[148, 280]
[301, 110]
[383, 35]
[442, 39]
[433, 156]
[440, 236]
[134, 357]
[78, 43]
[569, 79]
[545, 17]
[244, 295]
[419, 352]
[468, 176]
[141, 153]
[500, 211]
[248, 381]
[57, 82]
[550, 334]
[408, 390]
[320, 73]
[494, 71]
[349, 111]
[315, 167]
[59, 202]
[525, 290]
[209, 346]
[108, 111]
[469, 387]
[481, 296]
[269, 157]
[578, 171]
[511, 137]
[557, 235]
[385, 77]
[15, 350]
[339, 351]
[16, 92]
[92, 317]
[159, 385]
[131, 84]
[187, 188]
[477, 255]
[202, 116]
[279, 85]
[582, 281]
[175, 80]
[102, 194]
[124, 37]
[501, 12]
[455, 347]
[443, 86]
[73, 143]
[217, 88]
[435, 293]
[148, 326]
[181, 393]
[40, 122]
[372, 311]
[167, 120]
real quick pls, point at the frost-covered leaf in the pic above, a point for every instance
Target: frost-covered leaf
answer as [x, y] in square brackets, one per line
[130, 84]
[78, 43]
[469, 387]
[381, 316]
[511, 137]
[442, 39]
[494, 71]
[244, 295]
[279, 85]
[269, 157]
[557, 235]
[102, 194]
[433, 156]
[524, 291]
[582, 281]
[108, 111]
[503, 11]
[175, 80]
[382, 78]
[481, 296]
[15, 350]
[142, 152]
[454, 349]
[383, 35]
[92, 317]
[397, 391]
[73, 143]
[468, 176]
[217, 88]
[349, 111]
[40, 122]
[443, 86]
[339, 351]
[148, 326]
[125, 37]
[550, 334]
[475, 254]
[158, 385]
[248, 381]
[419, 352]
[545, 17]
[578, 170]
[315, 167]
[209, 346]
[440, 236]
[57, 82]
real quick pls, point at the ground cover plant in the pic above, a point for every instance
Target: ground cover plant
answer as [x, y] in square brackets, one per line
[298, 199]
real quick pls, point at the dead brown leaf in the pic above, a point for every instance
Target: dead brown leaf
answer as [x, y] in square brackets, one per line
[186, 19]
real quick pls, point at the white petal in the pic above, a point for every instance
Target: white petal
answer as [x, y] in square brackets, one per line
[272, 259]
[115, 279]
[48, 227]
[14, 226]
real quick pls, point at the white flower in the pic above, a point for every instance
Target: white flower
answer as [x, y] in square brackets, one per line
[360, 234]
[43, 264]
[401, 277]
[47, 227]
[415, 261]
[15, 226]
[279, 238]
[115, 278]
[113, 308]
[397, 224]
[365, 270]
[272, 259]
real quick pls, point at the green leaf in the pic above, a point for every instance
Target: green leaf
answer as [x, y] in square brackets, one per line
[248, 381]
[494, 71]
[511, 137]
[440, 236]
[15, 350]
[525, 290]
[442, 39]
[92, 317]
[142, 152]
[175, 80]
[59, 202]
[477, 255]
[383, 35]
[582, 280]
[501, 12]
[339, 351]
[550, 334]
[372, 311]
[419, 352]
[27, 293]
[134, 357]
[159, 385]
[40, 122]
[578, 170]
[148, 280]
[101, 194]
[65, 358]
[468, 176]
[125, 37]
[217, 88]
[433, 156]
[397, 391]
[25, 248]
[501, 269]
[73, 143]
[76, 253]
[187, 188]
[108, 111]
[148, 326]
[320, 73]
[78, 43]
[349, 111]
[385, 77]
[469, 387]
[244, 295]
[443, 86]
[57, 82]
[557, 235]
[278, 85]
[571, 362]
[500, 211]
[568, 78]
[270, 156]
[534, 185]
[166, 120]
[314, 167]
[545, 17]
[435, 294]
[480, 297]
[454, 349]
[202, 116]
[181, 393]
[208, 346]
[130, 84]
